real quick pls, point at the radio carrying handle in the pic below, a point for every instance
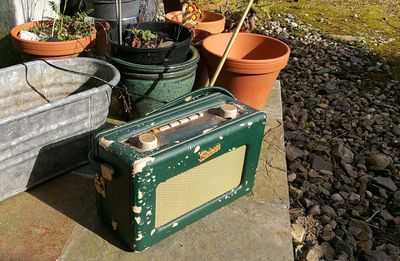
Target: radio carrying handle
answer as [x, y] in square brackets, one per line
[192, 96]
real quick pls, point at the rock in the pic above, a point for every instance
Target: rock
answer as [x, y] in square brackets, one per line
[295, 193]
[319, 163]
[293, 152]
[315, 211]
[346, 38]
[343, 154]
[324, 219]
[342, 246]
[396, 220]
[354, 59]
[379, 161]
[373, 255]
[327, 210]
[290, 16]
[360, 229]
[327, 251]
[353, 198]
[327, 233]
[336, 197]
[385, 182]
[298, 234]
[291, 177]
[396, 130]
[385, 214]
[396, 195]
[392, 250]
[313, 254]
[349, 171]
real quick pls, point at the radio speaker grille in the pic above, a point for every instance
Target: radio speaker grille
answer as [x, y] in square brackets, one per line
[195, 187]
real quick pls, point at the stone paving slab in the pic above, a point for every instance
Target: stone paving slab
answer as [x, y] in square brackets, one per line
[58, 219]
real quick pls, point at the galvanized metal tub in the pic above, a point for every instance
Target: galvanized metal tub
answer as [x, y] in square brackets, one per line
[47, 117]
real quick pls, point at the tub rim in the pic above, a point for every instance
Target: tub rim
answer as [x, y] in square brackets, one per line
[66, 100]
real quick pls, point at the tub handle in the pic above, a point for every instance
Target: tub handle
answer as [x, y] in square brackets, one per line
[192, 96]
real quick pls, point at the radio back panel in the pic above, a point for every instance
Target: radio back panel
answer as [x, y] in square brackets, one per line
[160, 173]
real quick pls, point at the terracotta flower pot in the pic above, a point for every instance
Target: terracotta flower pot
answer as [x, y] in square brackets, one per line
[49, 50]
[211, 21]
[252, 66]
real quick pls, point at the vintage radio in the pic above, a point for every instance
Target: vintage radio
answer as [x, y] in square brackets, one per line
[162, 172]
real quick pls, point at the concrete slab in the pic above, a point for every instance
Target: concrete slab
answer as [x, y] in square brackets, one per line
[58, 219]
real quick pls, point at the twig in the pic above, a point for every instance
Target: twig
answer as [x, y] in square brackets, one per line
[369, 219]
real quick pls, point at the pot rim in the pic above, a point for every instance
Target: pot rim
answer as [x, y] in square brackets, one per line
[178, 44]
[156, 68]
[248, 61]
[220, 16]
[15, 30]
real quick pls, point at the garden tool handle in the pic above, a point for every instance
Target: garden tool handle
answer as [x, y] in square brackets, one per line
[190, 96]
[230, 44]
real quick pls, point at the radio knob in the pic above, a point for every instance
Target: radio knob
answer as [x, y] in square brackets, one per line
[228, 111]
[147, 142]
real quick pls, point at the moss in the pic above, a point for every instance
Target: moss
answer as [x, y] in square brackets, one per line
[373, 19]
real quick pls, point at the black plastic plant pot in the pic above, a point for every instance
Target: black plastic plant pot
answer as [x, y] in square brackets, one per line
[105, 9]
[176, 53]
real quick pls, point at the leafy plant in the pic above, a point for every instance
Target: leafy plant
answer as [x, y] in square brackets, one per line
[146, 38]
[65, 27]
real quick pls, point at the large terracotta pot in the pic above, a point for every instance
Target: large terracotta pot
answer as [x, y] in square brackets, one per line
[252, 66]
[211, 21]
[49, 50]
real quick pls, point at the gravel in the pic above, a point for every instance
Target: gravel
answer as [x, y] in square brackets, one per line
[342, 129]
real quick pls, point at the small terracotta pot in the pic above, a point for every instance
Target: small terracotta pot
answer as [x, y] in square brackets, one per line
[176, 5]
[211, 21]
[252, 66]
[49, 50]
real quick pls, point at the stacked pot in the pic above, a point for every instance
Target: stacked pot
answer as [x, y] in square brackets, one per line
[252, 66]
[209, 24]
[155, 75]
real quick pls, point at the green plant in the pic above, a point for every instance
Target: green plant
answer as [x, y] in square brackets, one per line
[65, 27]
[145, 38]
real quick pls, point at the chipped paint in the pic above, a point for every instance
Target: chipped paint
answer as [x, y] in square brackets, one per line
[189, 98]
[138, 220]
[137, 209]
[247, 189]
[106, 172]
[206, 130]
[242, 124]
[148, 222]
[187, 157]
[139, 164]
[148, 213]
[221, 138]
[196, 149]
[208, 153]
[175, 224]
[99, 185]
[114, 224]
[177, 141]
[140, 194]
[139, 237]
[105, 143]
[249, 123]
[152, 232]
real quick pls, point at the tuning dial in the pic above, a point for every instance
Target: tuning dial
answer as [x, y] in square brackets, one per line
[228, 111]
[147, 141]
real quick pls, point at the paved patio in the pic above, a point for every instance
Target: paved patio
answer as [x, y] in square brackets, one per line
[57, 220]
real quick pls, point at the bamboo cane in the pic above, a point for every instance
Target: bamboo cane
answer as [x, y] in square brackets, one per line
[230, 44]
[118, 10]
